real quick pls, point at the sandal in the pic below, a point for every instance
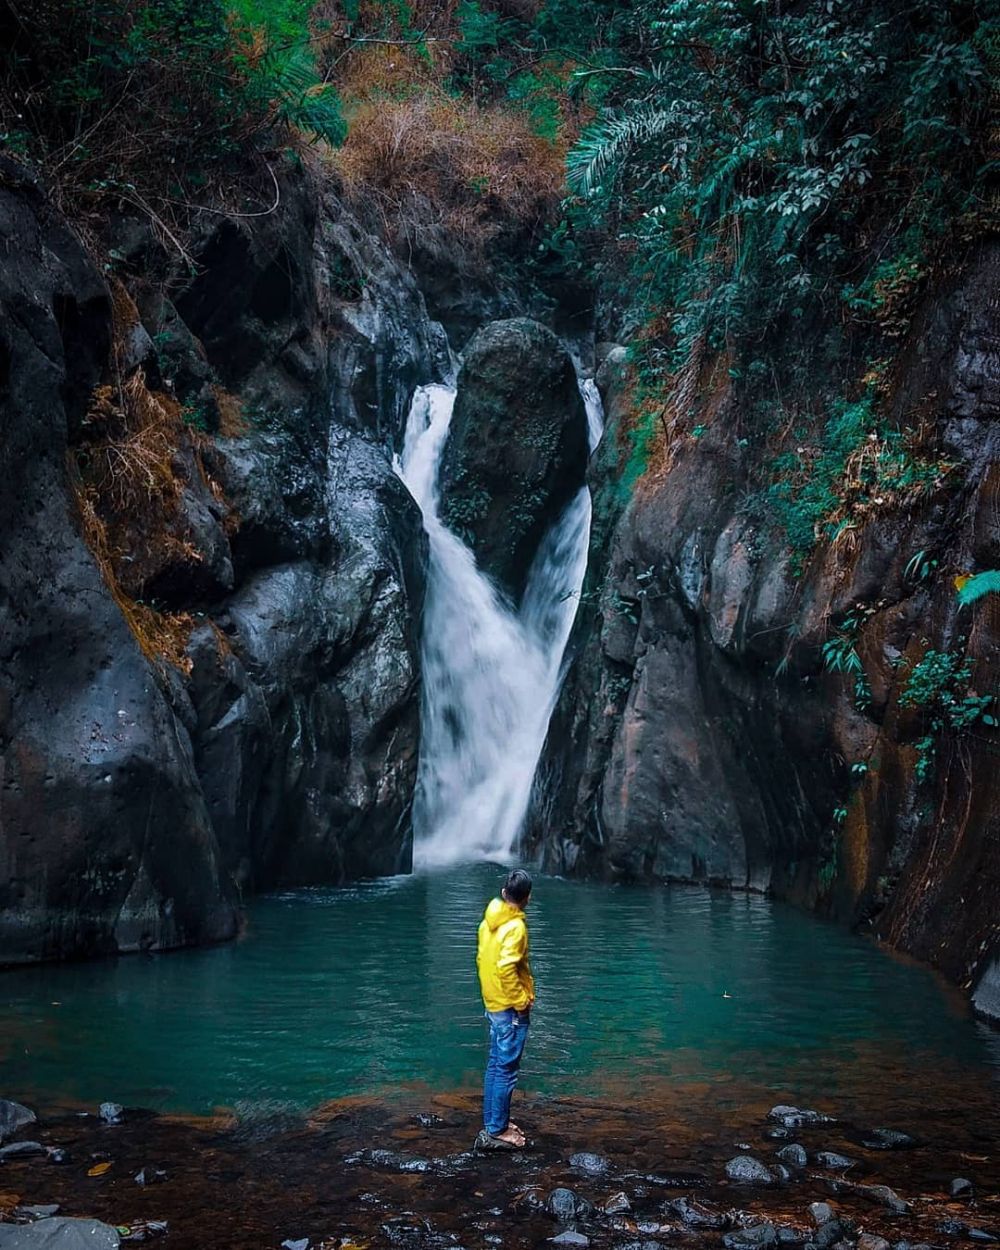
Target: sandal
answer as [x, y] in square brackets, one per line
[486, 1141]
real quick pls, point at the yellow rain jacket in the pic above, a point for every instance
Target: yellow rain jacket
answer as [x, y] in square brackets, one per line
[502, 958]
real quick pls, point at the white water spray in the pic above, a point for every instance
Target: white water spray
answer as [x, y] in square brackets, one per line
[491, 675]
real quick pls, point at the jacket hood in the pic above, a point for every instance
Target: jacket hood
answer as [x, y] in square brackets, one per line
[499, 911]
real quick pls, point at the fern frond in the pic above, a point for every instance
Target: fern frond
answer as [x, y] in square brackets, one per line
[603, 147]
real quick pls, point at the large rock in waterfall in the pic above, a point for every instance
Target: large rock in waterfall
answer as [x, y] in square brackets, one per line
[517, 448]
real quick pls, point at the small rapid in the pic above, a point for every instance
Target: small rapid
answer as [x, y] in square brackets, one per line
[491, 673]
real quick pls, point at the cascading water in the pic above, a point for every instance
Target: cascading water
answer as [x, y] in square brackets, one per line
[491, 674]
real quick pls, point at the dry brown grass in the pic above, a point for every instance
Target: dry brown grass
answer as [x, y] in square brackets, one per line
[232, 421]
[446, 175]
[162, 636]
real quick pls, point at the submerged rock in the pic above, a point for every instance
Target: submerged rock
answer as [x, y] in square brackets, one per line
[592, 1164]
[797, 1117]
[746, 1170]
[888, 1139]
[794, 1155]
[112, 1112]
[697, 1214]
[834, 1162]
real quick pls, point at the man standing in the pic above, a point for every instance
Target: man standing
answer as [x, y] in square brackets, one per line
[508, 993]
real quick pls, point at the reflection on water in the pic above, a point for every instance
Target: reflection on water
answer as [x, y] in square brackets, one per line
[335, 992]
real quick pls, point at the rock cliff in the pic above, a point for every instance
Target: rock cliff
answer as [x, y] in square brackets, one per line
[207, 680]
[701, 736]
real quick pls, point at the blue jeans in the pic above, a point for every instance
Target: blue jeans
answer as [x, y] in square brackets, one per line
[508, 1033]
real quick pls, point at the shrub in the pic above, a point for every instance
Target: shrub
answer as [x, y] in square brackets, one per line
[446, 176]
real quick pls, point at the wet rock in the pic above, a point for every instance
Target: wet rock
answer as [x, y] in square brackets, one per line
[777, 1134]
[788, 1235]
[960, 1187]
[755, 1235]
[797, 1117]
[426, 1120]
[746, 1170]
[697, 1214]
[38, 1212]
[111, 1112]
[14, 1116]
[869, 1241]
[570, 1238]
[888, 1139]
[567, 1206]
[781, 1172]
[302, 1243]
[57, 1154]
[833, 1162]
[617, 1203]
[59, 1234]
[794, 1155]
[21, 1150]
[592, 1164]
[517, 447]
[958, 1228]
[150, 1176]
[821, 1213]
[874, 1193]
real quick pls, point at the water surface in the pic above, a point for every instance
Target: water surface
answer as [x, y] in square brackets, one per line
[372, 989]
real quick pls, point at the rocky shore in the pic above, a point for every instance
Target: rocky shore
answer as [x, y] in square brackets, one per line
[400, 1173]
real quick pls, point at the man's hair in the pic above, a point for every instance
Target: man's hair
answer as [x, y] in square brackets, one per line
[517, 887]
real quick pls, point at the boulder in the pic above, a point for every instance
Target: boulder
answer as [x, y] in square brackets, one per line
[517, 447]
[59, 1234]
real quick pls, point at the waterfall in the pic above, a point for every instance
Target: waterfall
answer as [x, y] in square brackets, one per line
[491, 674]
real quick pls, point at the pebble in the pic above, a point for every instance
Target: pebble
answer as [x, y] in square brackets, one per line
[960, 1187]
[746, 1170]
[302, 1243]
[565, 1205]
[39, 1212]
[794, 1155]
[696, 1214]
[570, 1238]
[593, 1165]
[111, 1112]
[617, 1203]
[14, 1116]
[821, 1212]
[868, 1241]
[834, 1162]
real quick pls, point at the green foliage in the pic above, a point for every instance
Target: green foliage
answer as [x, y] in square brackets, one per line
[860, 464]
[840, 654]
[747, 152]
[978, 587]
[151, 100]
[938, 684]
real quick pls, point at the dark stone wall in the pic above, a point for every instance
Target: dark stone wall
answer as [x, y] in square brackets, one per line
[699, 737]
